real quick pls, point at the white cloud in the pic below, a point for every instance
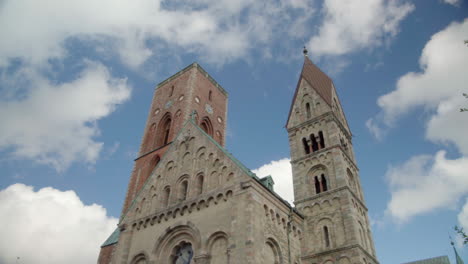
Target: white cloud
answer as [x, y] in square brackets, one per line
[452, 2]
[281, 172]
[219, 31]
[375, 129]
[353, 25]
[425, 183]
[55, 123]
[443, 77]
[50, 226]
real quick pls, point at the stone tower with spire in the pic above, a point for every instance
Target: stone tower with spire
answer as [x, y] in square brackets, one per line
[327, 188]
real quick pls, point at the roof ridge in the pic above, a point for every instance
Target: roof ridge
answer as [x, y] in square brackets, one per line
[200, 68]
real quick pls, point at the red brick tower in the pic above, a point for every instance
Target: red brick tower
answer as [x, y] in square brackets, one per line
[189, 91]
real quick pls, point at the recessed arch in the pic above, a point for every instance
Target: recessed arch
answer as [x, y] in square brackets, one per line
[176, 238]
[206, 125]
[164, 130]
[140, 258]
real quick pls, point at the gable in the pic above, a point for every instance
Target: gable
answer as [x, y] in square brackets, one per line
[192, 154]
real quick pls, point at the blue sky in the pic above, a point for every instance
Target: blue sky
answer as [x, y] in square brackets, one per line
[76, 82]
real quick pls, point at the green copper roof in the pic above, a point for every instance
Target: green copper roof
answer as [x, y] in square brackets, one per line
[436, 260]
[113, 238]
[268, 182]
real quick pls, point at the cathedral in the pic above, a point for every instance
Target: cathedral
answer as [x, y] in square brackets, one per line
[190, 201]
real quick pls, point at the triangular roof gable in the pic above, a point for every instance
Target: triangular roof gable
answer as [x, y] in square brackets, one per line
[187, 124]
[317, 79]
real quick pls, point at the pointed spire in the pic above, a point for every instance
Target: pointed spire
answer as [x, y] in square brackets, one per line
[317, 79]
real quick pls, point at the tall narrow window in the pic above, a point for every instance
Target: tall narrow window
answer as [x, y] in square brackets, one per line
[326, 236]
[166, 135]
[200, 184]
[324, 183]
[167, 193]
[308, 110]
[183, 191]
[164, 130]
[207, 126]
[306, 146]
[317, 185]
[209, 95]
[315, 145]
[172, 91]
[322, 141]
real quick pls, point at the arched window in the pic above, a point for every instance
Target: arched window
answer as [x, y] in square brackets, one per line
[166, 195]
[164, 130]
[182, 254]
[326, 235]
[200, 184]
[315, 145]
[306, 146]
[317, 185]
[308, 110]
[183, 190]
[207, 126]
[324, 183]
[322, 140]
[209, 95]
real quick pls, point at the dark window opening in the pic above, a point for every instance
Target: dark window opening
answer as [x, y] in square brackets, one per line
[308, 110]
[207, 126]
[322, 141]
[306, 146]
[182, 254]
[315, 145]
[200, 185]
[172, 91]
[183, 190]
[167, 193]
[209, 95]
[324, 183]
[317, 185]
[164, 130]
[326, 236]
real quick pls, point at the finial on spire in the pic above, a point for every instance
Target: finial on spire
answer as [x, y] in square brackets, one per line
[305, 51]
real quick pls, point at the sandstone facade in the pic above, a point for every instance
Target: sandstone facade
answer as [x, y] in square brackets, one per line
[190, 201]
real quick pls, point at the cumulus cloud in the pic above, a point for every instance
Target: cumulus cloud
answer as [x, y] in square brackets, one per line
[281, 172]
[353, 25]
[50, 226]
[219, 31]
[428, 182]
[425, 183]
[442, 78]
[55, 123]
